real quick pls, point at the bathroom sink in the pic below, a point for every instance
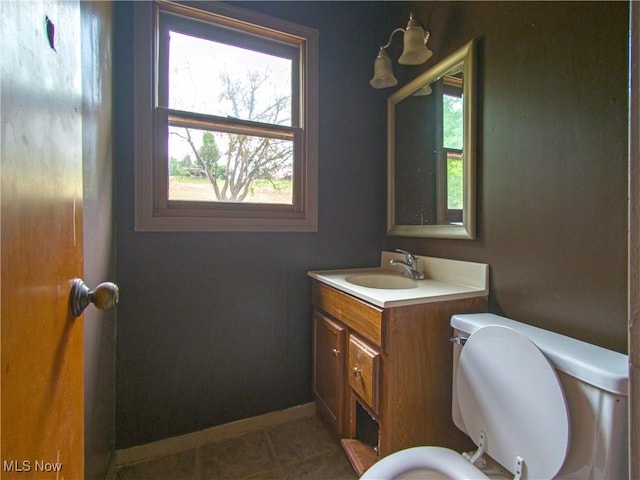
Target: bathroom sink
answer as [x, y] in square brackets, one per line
[384, 286]
[381, 280]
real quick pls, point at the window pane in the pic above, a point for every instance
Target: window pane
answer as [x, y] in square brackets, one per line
[225, 167]
[220, 79]
[454, 181]
[452, 122]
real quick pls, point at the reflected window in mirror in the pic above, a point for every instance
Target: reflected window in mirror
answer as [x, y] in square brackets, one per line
[450, 149]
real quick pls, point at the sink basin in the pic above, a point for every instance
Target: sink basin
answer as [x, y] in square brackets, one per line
[381, 280]
[385, 287]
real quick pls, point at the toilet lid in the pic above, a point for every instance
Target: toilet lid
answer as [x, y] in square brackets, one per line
[507, 389]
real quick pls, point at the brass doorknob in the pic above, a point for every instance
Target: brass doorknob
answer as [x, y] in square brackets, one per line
[104, 297]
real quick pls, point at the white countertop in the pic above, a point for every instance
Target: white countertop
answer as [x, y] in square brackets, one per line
[444, 280]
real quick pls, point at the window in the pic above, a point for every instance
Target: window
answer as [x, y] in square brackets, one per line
[226, 125]
[450, 165]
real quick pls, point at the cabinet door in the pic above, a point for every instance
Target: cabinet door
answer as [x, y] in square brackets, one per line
[328, 379]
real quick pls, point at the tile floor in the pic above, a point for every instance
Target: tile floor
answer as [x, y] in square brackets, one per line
[300, 450]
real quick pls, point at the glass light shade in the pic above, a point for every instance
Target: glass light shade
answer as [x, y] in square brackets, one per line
[415, 49]
[423, 91]
[382, 71]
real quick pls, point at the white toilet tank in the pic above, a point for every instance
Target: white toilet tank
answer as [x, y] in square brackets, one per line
[595, 383]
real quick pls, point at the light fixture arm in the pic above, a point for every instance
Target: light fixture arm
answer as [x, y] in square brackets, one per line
[391, 37]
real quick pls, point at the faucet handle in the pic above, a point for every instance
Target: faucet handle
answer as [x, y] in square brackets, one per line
[409, 257]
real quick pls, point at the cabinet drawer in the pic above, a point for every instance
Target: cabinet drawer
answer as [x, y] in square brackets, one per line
[364, 371]
[356, 314]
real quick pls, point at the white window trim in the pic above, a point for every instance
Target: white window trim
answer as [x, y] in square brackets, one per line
[148, 217]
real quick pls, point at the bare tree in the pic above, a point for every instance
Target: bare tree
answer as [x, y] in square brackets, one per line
[232, 162]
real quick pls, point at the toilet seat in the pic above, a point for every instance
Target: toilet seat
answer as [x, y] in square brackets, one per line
[434, 459]
[508, 392]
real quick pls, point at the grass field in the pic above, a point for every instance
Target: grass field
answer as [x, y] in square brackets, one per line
[262, 191]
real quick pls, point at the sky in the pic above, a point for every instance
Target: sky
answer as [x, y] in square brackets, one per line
[196, 65]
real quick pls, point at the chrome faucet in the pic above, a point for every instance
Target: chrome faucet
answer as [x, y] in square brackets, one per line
[409, 264]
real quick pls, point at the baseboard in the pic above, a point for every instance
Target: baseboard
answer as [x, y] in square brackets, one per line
[169, 446]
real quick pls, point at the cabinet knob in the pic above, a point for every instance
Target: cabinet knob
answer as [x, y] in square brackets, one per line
[356, 372]
[336, 352]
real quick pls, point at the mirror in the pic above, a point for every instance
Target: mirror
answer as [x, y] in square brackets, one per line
[431, 151]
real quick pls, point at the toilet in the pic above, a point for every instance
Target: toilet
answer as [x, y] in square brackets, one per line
[538, 405]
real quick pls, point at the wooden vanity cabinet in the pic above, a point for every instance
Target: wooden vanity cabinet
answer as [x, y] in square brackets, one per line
[393, 370]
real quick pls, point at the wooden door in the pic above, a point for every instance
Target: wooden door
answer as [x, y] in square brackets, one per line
[41, 240]
[328, 376]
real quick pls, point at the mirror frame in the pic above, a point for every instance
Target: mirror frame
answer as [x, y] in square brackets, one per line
[467, 230]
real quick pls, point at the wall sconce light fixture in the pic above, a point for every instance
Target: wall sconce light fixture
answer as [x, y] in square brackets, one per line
[415, 52]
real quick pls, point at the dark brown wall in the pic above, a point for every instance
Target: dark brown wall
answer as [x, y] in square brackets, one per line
[416, 142]
[552, 153]
[214, 327]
